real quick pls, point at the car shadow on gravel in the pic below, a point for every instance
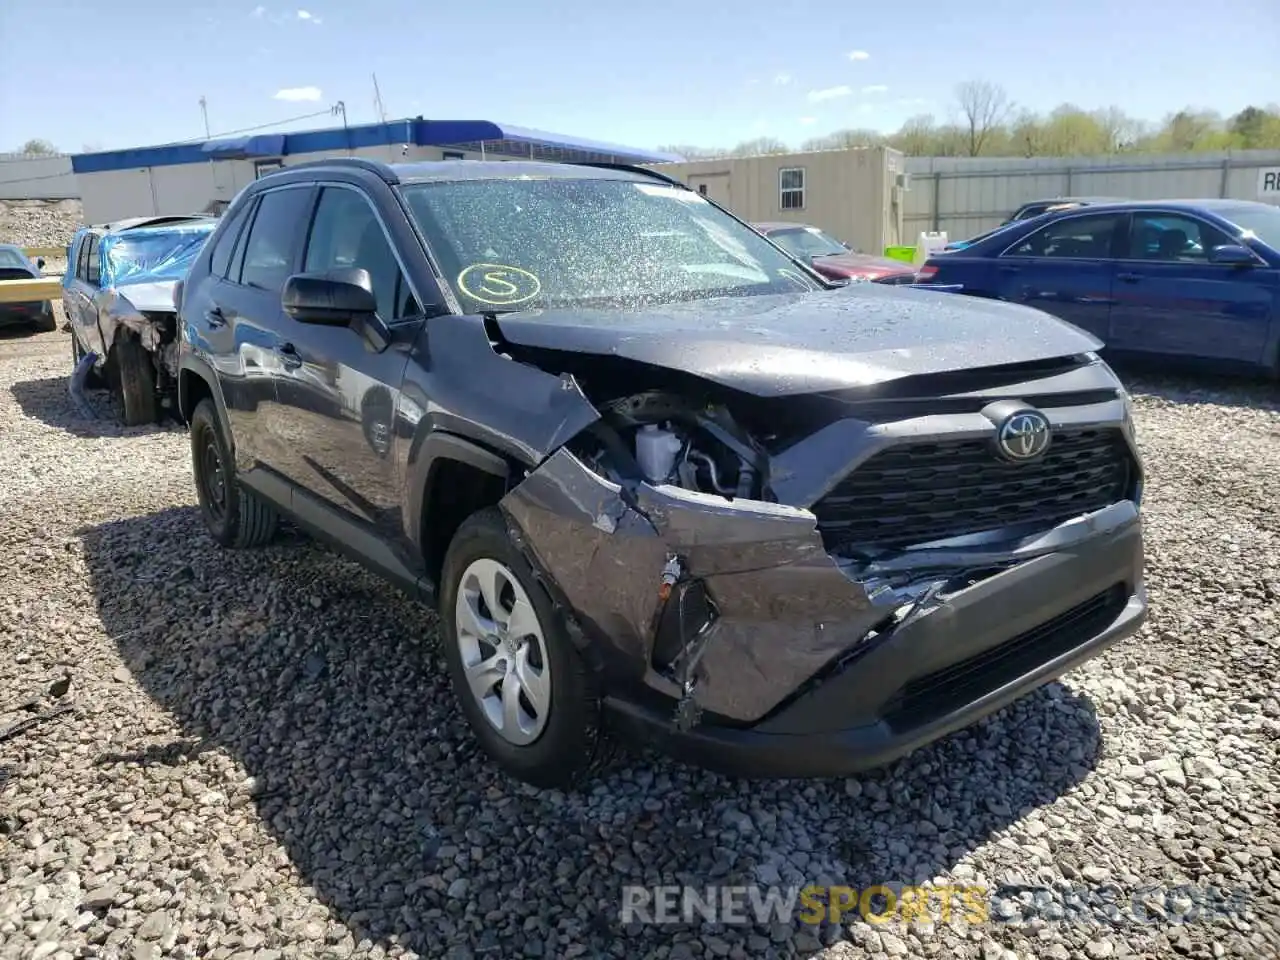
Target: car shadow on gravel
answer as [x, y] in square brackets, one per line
[326, 688]
[49, 402]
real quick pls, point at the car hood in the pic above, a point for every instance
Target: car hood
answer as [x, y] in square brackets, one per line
[863, 264]
[816, 342]
[149, 295]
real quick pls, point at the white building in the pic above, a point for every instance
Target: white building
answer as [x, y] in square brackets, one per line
[204, 176]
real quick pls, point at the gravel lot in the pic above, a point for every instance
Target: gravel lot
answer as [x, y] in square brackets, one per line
[263, 759]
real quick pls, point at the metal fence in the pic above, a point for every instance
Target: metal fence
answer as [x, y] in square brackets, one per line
[965, 196]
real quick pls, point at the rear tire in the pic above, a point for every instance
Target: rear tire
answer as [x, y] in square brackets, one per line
[135, 381]
[234, 516]
[47, 322]
[563, 743]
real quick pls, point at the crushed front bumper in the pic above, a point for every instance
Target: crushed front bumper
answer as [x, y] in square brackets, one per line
[974, 652]
[812, 665]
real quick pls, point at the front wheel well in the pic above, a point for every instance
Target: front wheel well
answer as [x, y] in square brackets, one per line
[192, 388]
[455, 490]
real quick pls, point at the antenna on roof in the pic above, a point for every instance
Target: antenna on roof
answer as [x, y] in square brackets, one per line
[204, 110]
[378, 106]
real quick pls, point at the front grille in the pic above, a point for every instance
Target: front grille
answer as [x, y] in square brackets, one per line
[921, 492]
[937, 694]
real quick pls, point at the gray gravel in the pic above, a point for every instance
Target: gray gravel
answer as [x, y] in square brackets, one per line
[264, 760]
[39, 223]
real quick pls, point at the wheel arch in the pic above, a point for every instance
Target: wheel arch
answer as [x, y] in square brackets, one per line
[196, 381]
[451, 477]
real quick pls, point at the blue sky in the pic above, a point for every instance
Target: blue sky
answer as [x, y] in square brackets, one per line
[131, 72]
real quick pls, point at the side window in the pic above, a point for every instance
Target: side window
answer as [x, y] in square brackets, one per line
[1173, 238]
[221, 257]
[237, 253]
[1087, 238]
[268, 251]
[346, 233]
[93, 264]
[82, 258]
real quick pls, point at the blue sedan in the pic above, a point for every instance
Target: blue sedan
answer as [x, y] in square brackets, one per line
[1187, 280]
[14, 265]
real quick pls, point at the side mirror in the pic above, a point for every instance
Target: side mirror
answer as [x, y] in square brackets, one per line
[39, 263]
[845, 245]
[336, 298]
[1232, 255]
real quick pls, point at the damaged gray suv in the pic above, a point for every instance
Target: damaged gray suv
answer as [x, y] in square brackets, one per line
[660, 479]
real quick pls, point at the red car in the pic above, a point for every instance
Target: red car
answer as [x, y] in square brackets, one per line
[833, 259]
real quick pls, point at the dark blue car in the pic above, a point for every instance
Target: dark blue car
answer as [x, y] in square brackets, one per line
[1190, 280]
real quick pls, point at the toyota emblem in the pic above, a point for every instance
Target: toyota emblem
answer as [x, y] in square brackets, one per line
[1024, 436]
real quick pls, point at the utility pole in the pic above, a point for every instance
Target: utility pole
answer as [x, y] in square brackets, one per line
[377, 101]
[340, 109]
[204, 110]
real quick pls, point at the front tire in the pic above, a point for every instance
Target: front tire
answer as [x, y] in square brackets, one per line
[234, 516]
[135, 382]
[530, 699]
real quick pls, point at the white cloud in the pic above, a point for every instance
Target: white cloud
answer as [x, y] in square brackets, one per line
[808, 121]
[258, 13]
[309, 17]
[876, 88]
[782, 78]
[830, 93]
[298, 94]
[914, 102]
[859, 55]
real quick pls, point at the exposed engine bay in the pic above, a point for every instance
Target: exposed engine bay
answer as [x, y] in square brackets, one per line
[663, 438]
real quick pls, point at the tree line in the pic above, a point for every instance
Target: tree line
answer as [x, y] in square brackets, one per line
[985, 122]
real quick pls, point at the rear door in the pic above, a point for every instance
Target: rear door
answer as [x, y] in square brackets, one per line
[80, 292]
[1171, 301]
[1065, 268]
[237, 316]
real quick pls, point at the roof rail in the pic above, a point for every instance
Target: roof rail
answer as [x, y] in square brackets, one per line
[632, 168]
[379, 169]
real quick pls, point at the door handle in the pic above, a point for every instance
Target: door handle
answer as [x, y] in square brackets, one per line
[289, 355]
[215, 317]
[1009, 268]
[1129, 277]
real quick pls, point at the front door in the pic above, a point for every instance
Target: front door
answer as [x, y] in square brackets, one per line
[340, 396]
[1170, 300]
[1066, 268]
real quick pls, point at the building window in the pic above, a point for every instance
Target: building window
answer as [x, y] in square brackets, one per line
[702, 189]
[453, 155]
[262, 167]
[791, 188]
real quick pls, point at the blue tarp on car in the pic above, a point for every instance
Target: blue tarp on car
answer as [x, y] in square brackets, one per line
[152, 254]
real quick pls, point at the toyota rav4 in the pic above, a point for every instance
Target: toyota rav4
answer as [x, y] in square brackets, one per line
[660, 479]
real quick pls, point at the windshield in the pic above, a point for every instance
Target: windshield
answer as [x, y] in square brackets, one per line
[11, 258]
[1261, 221]
[154, 255]
[523, 243]
[806, 242]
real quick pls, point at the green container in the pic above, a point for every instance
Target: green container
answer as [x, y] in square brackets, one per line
[904, 254]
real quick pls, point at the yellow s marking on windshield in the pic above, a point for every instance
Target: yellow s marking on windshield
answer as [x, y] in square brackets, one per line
[498, 284]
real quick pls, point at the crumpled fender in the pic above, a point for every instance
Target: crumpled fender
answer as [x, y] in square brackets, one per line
[115, 312]
[785, 608]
